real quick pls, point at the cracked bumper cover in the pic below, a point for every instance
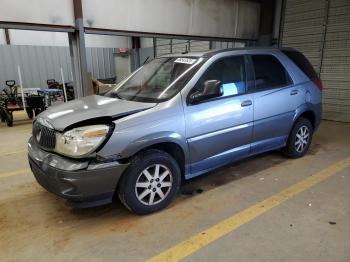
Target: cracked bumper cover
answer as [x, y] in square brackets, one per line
[81, 182]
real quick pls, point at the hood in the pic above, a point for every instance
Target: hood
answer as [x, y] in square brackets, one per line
[64, 115]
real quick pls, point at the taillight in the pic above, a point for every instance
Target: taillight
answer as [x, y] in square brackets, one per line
[319, 83]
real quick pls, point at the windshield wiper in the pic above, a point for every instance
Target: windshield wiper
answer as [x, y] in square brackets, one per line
[145, 60]
[113, 95]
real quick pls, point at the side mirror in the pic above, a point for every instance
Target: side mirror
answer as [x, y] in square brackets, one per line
[211, 89]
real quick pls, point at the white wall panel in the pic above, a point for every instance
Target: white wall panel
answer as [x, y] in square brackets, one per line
[107, 41]
[42, 38]
[221, 18]
[57, 12]
[2, 37]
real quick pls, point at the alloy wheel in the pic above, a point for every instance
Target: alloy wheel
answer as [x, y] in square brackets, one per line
[302, 138]
[153, 184]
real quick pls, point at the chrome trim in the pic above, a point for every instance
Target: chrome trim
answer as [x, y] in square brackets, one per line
[219, 132]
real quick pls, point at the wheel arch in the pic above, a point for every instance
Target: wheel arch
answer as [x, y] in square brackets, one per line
[172, 143]
[310, 115]
[306, 111]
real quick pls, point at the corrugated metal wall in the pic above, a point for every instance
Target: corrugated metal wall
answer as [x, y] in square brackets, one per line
[303, 28]
[196, 45]
[39, 63]
[170, 46]
[321, 30]
[335, 71]
[163, 46]
[100, 62]
[223, 45]
[179, 45]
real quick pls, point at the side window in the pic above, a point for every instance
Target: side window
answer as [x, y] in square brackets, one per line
[269, 72]
[230, 71]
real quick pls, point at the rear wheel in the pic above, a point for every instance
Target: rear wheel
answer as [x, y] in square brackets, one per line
[2, 115]
[299, 139]
[30, 113]
[150, 183]
[9, 118]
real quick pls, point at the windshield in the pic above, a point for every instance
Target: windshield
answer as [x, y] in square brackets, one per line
[158, 80]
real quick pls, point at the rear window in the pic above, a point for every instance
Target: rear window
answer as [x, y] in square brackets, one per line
[301, 61]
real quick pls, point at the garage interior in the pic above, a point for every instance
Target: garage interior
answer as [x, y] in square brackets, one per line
[265, 208]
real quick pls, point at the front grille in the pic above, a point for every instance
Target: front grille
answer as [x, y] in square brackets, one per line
[44, 136]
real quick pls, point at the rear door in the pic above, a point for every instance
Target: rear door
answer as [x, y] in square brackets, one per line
[275, 102]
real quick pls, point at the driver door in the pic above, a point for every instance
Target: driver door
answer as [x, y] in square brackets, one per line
[219, 130]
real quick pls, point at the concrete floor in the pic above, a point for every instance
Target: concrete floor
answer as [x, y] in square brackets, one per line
[37, 226]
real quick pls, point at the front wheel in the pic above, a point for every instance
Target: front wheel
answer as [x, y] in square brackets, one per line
[299, 139]
[150, 183]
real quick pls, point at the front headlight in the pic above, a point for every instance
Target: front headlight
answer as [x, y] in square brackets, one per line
[81, 141]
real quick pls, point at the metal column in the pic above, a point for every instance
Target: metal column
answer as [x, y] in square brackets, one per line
[74, 56]
[78, 52]
[135, 54]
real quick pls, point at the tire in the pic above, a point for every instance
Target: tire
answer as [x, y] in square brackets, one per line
[138, 199]
[9, 119]
[37, 111]
[299, 139]
[30, 113]
[2, 116]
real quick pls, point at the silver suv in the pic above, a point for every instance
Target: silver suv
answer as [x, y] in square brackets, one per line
[175, 118]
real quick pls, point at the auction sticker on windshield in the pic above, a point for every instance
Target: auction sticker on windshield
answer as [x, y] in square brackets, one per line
[184, 60]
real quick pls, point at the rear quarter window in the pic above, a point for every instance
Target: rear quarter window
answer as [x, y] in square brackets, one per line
[301, 61]
[269, 72]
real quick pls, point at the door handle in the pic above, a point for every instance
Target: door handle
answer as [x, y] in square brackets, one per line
[246, 103]
[293, 92]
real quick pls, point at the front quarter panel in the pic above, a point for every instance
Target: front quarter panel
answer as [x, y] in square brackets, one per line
[155, 138]
[162, 123]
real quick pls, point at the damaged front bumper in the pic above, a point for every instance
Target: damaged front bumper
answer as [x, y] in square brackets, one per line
[83, 183]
